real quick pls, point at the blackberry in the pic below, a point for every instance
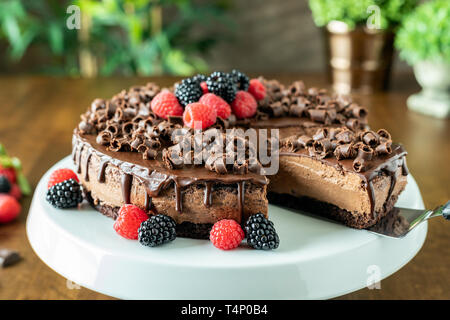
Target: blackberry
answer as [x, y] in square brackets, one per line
[241, 80]
[222, 84]
[5, 186]
[261, 233]
[189, 90]
[66, 194]
[157, 230]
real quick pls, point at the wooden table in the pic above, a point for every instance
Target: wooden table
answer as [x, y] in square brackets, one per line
[37, 116]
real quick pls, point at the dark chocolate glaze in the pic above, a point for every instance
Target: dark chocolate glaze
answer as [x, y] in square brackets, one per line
[148, 202]
[126, 182]
[86, 164]
[101, 172]
[154, 176]
[207, 200]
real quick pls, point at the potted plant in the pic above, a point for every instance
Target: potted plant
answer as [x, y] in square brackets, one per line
[359, 36]
[424, 42]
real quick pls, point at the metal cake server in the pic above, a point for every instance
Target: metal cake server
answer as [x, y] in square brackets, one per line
[400, 221]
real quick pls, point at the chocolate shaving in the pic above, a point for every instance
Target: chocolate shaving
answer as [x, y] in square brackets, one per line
[345, 151]
[322, 148]
[384, 148]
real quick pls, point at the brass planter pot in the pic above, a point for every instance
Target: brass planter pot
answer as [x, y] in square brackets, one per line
[358, 60]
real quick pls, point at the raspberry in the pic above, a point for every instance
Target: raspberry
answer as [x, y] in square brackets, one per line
[128, 222]
[261, 233]
[61, 175]
[204, 87]
[157, 230]
[166, 104]
[5, 185]
[199, 116]
[66, 194]
[15, 192]
[223, 109]
[257, 89]
[244, 106]
[9, 173]
[9, 208]
[226, 234]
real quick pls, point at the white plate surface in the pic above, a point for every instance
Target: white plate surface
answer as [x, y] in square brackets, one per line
[316, 259]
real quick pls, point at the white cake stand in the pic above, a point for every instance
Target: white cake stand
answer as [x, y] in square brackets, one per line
[316, 259]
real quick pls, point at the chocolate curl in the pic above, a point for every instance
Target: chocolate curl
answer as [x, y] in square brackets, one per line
[354, 110]
[113, 129]
[359, 165]
[86, 127]
[103, 138]
[240, 168]
[321, 133]
[97, 104]
[345, 151]
[322, 148]
[115, 145]
[110, 109]
[216, 163]
[305, 141]
[297, 88]
[136, 142]
[383, 133]
[364, 152]
[370, 138]
[147, 153]
[333, 132]
[254, 166]
[352, 124]
[277, 109]
[317, 115]
[127, 128]
[384, 148]
[345, 136]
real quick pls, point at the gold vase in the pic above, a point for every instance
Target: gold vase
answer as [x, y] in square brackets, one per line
[358, 60]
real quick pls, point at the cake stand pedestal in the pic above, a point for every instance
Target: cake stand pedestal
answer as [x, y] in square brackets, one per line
[316, 259]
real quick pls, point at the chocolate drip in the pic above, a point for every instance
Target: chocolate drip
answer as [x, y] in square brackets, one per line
[241, 192]
[126, 187]
[207, 200]
[101, 172]
[80, 151]
[148, 202]
[405, 170]
[86, 165]
[371, 193]
[178, 199]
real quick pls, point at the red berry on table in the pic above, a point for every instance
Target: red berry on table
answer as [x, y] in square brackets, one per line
[204, 87]
[257, 89]
[129, 220]
[199, 116]
[61, 175]
[9, 208]
[226, 234]
[15, 192]
[223, 109]
[9, 173]
[244, 105]
[166, 104]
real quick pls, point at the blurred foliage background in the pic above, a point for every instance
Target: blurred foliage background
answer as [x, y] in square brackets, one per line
[144, 37]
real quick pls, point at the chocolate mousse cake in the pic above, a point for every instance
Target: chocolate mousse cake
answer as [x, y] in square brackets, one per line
[330, 161]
